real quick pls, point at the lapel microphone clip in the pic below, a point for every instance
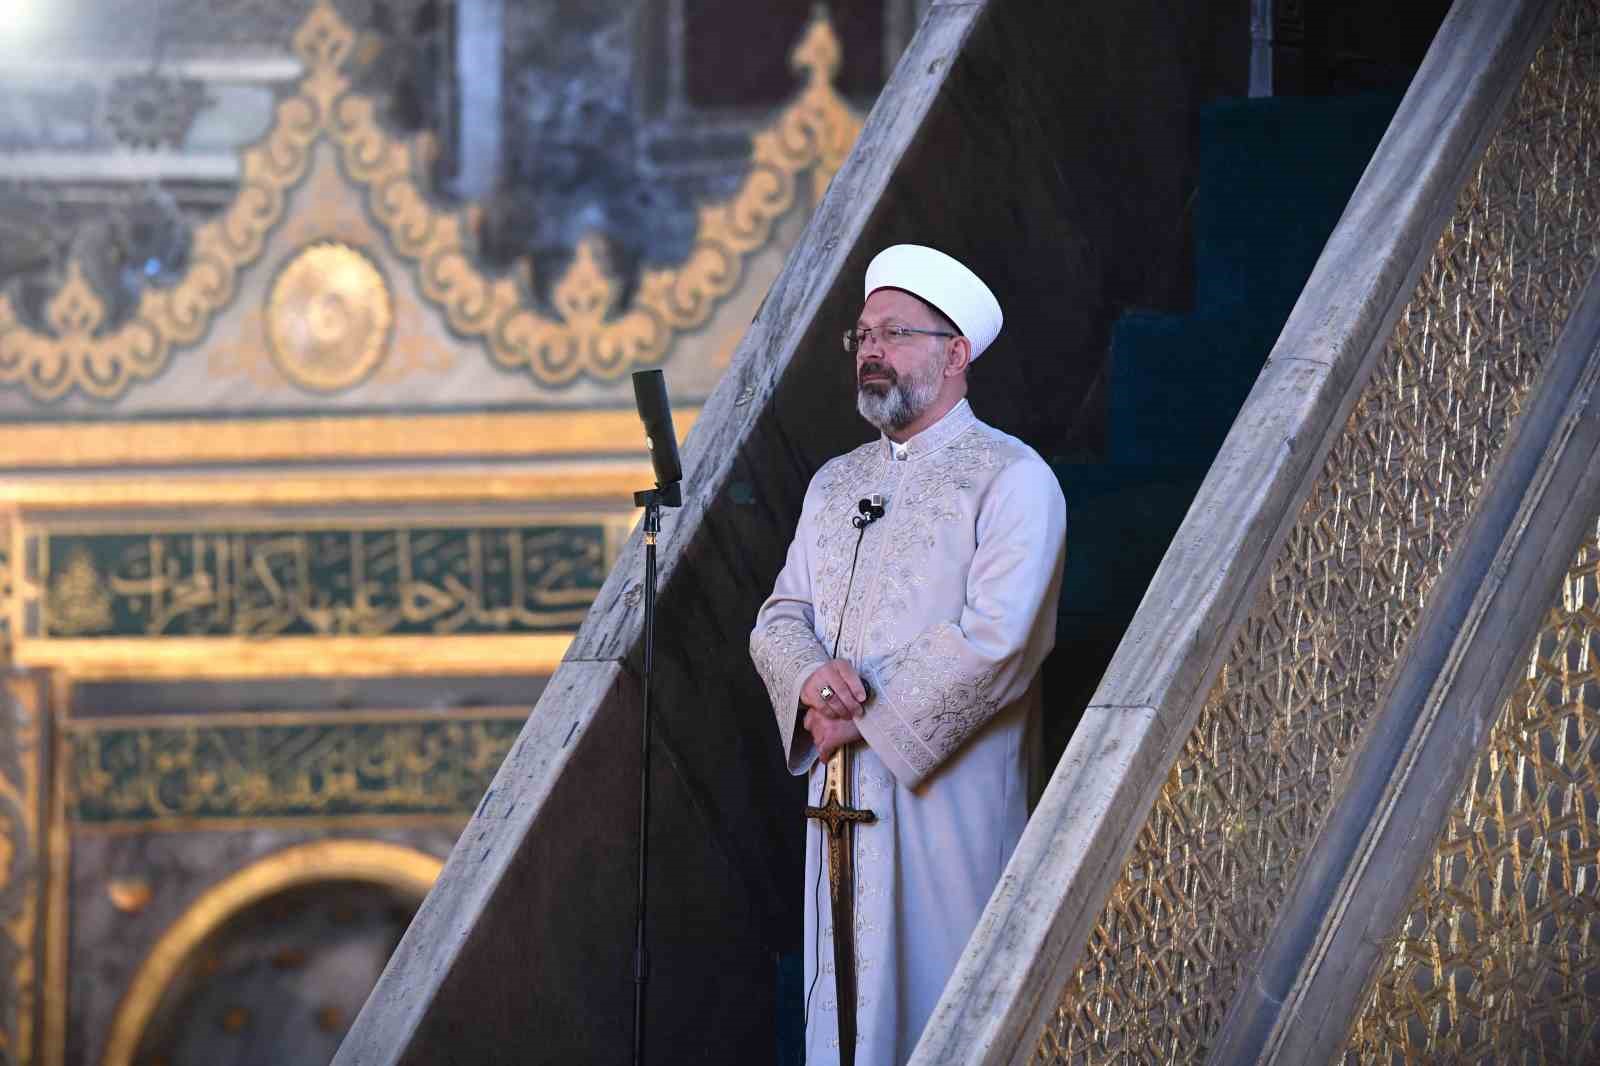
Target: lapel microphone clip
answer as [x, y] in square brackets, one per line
[871, 509]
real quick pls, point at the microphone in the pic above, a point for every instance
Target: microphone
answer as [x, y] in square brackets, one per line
[650, 394]
[871, 510]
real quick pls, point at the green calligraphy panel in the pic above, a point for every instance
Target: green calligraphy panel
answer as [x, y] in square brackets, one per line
[180, 772]
[341, 581]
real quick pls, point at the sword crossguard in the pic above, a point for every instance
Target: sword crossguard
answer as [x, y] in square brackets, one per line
[835, 816]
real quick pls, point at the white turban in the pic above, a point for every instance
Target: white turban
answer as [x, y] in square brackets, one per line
[943, 282]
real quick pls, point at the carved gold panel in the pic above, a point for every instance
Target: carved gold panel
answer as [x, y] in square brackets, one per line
[591, 333]
[1266, 759]
[1498, 959]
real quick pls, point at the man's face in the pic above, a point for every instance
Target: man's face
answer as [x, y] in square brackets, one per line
[896, 382]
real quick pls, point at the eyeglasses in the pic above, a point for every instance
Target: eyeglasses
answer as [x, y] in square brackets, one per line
[888, 336]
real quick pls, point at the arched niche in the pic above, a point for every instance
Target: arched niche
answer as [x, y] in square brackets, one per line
[268, 908]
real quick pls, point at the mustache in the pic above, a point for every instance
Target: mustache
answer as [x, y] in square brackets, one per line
[878, 369]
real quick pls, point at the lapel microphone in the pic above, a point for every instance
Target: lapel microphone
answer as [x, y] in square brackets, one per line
[871, 510]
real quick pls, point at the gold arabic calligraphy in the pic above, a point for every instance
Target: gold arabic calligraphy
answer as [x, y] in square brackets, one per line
[348, 582]
[284, 769]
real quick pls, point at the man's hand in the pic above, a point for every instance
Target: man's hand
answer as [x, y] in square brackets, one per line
[834, 689]
[830, 734]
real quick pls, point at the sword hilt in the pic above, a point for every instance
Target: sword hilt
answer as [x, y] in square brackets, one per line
[835, 818]
[836, 812]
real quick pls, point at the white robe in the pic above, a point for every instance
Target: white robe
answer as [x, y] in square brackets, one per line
[951, 610]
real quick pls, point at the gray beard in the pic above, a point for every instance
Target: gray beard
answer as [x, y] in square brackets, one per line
[899, 403]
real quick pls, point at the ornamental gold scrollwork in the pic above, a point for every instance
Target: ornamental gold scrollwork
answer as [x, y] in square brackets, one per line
[590, 335]
[76, 355]
[813, 134]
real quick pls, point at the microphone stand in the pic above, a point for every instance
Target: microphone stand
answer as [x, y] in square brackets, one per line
[652, 500]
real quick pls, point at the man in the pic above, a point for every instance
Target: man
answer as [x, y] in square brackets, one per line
[941, 613]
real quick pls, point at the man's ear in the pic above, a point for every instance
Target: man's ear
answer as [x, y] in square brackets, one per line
[960, 357]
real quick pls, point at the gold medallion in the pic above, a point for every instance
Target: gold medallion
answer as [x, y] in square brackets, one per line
[328, 317]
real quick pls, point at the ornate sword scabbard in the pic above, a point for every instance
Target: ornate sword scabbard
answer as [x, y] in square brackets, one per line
[838, 817]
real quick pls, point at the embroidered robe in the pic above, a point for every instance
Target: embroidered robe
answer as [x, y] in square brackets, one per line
[950, 611]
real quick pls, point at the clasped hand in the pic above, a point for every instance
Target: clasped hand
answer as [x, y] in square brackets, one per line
[831, 714]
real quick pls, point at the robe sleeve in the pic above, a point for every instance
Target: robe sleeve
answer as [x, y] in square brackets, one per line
[935, 691]
[785, 648]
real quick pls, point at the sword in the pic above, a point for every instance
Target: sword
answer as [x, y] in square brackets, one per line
[838, 817]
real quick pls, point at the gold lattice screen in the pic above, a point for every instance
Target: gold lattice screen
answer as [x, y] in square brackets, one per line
[1266, 759]
[1498, 957]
